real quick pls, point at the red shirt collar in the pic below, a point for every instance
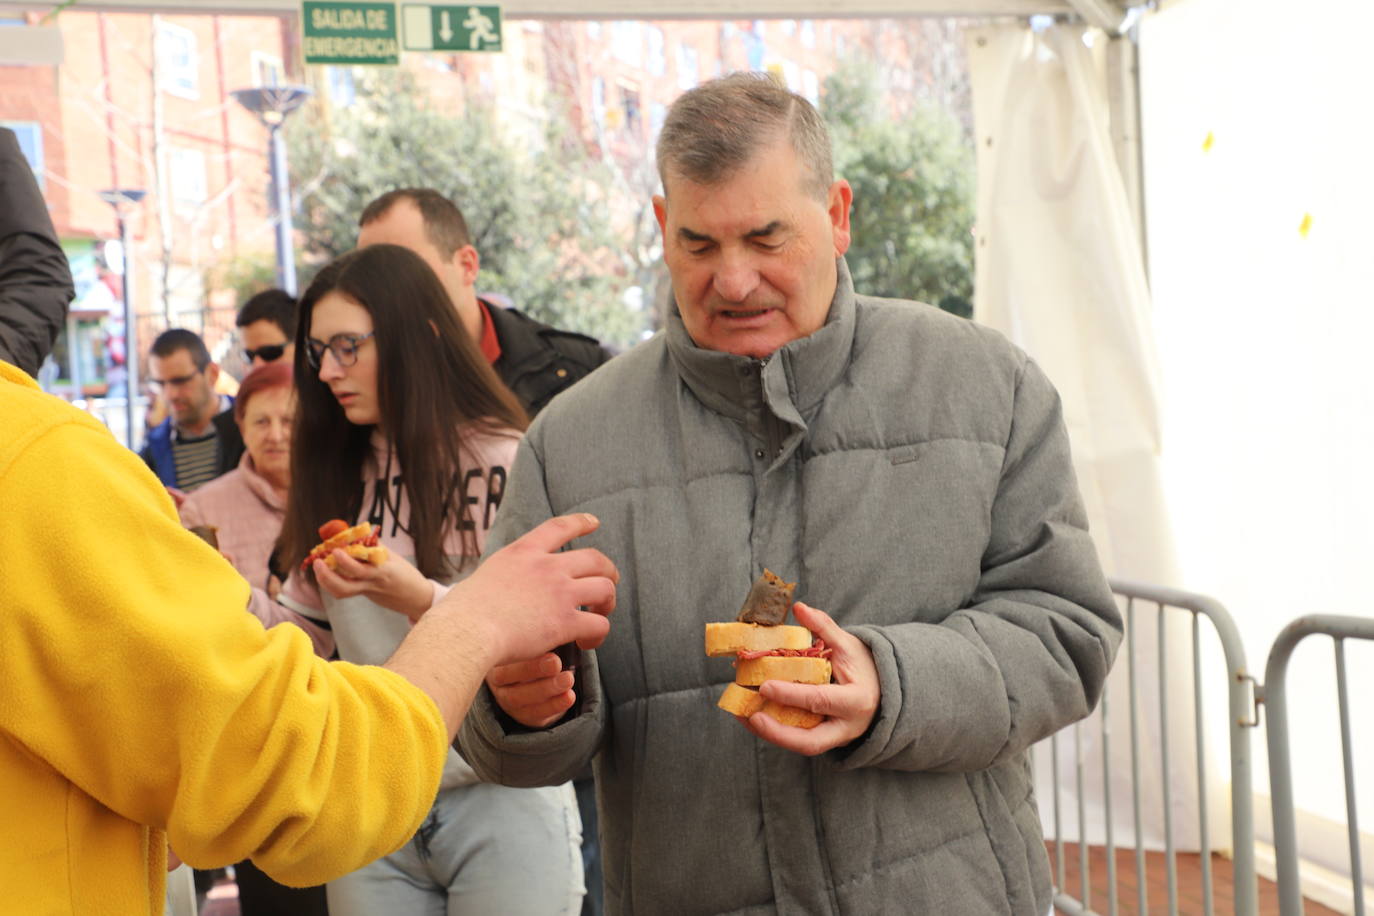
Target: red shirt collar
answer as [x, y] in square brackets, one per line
[487, 343]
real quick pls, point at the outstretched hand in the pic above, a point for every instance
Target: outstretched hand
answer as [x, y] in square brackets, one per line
[532, 595]
[849, 703]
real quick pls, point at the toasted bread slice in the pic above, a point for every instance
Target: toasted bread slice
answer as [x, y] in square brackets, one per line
[740, 701]
[744, 701]
[729, 638]
[374, 555]
[754, 671]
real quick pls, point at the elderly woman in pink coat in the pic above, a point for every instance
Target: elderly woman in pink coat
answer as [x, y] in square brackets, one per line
[245, 506]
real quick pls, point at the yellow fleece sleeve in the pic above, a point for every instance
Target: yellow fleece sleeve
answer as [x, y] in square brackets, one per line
[131, 668]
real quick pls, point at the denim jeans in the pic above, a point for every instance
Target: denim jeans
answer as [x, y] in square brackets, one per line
[483, 849]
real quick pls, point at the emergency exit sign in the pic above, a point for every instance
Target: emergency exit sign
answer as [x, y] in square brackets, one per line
[451, 28]
[349, 33]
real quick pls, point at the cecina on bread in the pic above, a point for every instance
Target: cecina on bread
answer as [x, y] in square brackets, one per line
[754, 671]
[374, 555]
[733, 636]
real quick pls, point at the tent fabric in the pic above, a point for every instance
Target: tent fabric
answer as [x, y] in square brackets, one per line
[1060, 272]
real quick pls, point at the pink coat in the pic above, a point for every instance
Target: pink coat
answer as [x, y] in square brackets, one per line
[248, 513]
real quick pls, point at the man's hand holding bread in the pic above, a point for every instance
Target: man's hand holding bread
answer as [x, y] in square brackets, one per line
[817, 686]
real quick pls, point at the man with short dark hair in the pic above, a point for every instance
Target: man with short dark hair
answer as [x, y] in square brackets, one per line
[908, 469]
[534, 360]
[199, 440]
[267, 327]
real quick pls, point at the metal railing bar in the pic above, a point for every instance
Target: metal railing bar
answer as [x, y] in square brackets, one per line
[1140, 892]
[1084, 870]
[1170, 863]
[1058, 831]
[1203, 835]
[1107, 807]
[1351, 812]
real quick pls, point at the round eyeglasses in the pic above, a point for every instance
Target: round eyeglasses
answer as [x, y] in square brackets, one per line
[343, 346]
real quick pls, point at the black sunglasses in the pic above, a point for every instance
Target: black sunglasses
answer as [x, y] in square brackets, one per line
[270, 353]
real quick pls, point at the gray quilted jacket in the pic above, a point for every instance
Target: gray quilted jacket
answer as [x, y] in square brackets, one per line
[910, 470]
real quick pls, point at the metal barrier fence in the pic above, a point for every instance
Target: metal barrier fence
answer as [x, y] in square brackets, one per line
[1275, 696]
[1241, 694]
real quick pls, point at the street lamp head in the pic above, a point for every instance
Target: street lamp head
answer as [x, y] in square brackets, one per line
[119, 197]
[272, 103]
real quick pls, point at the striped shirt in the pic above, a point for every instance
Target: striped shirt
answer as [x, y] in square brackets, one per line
[197, 459]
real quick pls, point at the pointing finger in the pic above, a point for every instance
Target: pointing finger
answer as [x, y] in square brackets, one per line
[551, 534]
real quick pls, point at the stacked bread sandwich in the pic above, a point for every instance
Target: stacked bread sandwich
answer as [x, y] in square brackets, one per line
[766, 649]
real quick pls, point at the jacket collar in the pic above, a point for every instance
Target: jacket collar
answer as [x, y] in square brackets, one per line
[260, 486]
[794, 379]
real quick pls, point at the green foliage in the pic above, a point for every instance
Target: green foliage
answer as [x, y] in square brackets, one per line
[535, 209]
[913, 181]
[246, 275]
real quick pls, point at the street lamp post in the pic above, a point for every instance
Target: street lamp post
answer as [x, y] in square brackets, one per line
[272, 104]
[121, 199]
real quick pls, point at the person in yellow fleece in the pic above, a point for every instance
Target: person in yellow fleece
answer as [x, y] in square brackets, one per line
[141, 705]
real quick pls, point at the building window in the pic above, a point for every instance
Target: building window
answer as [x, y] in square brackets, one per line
[342, 90]
[186, 169]
[267, 70]
[627, 42]
[687, 75]
[30, 134]
[657, 63]
[811, 88]
[177, 61]
[808, 33]
[629, 100]
[599, 102]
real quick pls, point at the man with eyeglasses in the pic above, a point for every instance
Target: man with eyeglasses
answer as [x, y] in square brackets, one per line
[199, 440]
[267, 327]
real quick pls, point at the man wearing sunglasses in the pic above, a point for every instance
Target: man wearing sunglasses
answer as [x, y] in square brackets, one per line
[199, 440]
[267, 327]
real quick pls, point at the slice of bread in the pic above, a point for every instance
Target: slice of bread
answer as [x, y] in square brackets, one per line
[744, 701]
[754, 671]
[732, 637]
[740, 701]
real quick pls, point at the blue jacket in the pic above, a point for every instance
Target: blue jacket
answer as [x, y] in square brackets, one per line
[157, 451]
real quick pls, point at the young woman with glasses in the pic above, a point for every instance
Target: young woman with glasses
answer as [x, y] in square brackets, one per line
[402, 423]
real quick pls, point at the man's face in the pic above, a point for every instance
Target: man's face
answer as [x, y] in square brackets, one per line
[752, 259]
[404, 225]
[189, 391]
[264, 333]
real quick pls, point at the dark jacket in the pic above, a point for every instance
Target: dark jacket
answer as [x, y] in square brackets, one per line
[538, 361]
[157, 451]
[35, 281]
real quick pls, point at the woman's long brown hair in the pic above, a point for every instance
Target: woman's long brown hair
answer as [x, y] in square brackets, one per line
[433, 387]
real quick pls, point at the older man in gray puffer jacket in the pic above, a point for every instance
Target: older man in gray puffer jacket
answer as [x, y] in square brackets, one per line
[909, 469]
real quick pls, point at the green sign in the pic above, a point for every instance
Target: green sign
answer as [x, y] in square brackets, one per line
[451, 28]
[350, 33]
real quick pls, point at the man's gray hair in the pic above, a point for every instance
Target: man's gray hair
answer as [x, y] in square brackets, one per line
[715, 129]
